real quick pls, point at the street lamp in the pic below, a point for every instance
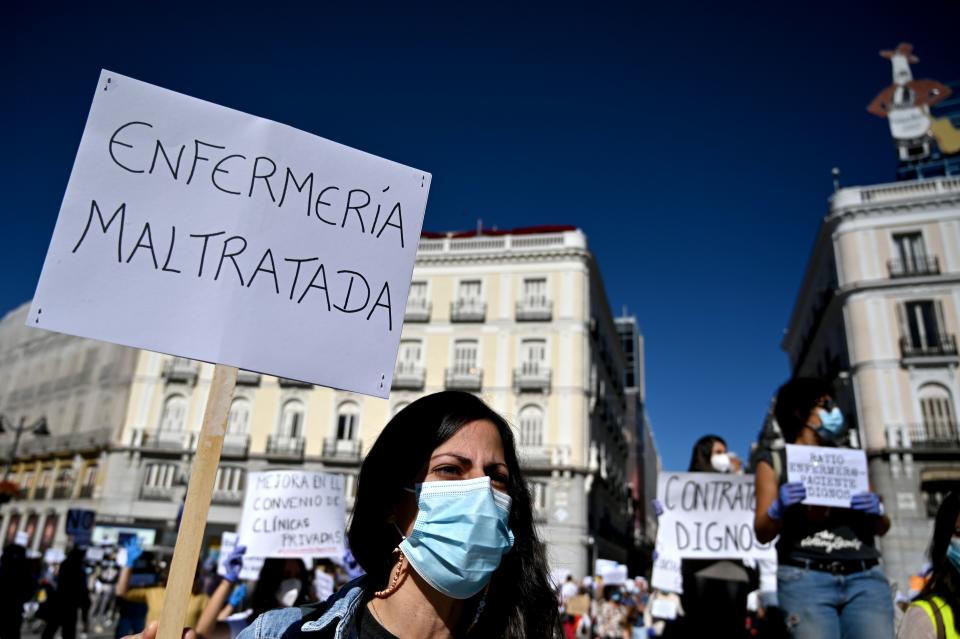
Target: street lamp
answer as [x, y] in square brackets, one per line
[38, 428]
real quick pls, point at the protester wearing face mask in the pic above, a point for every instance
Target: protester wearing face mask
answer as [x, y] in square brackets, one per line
[935, 613]
[714, 590]
[443, 527]
[829, 580]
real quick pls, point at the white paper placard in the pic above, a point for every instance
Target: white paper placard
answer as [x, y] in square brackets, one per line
[708, 516]
[196, 230]
[663, 609]
[830, 475]
[292, 513]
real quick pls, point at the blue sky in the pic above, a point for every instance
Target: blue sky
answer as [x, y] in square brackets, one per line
[693, 146]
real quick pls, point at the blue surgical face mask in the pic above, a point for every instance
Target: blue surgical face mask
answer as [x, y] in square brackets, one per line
[831, 424]
[460, 535]
[953, 553]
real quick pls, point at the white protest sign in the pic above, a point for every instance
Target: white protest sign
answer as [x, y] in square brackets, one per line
[292, 513]
[830, 475]
[666, 573]
[54, 556]
[196, 230]
[709, 516]
[94, 553]
[251, 565]
[663, 609]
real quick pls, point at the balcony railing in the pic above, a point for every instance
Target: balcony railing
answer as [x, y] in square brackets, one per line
[342, 449]
[466, 379]
[943, 346]
[282, 447]
[157, 493]
[62, 492]
[534, 309]
[539, 456]
[927, 435]
[236, 444]
[532, 376]
[247, 378]
[418, 310]
[227, 497]
[181, 369]
[286, 382]
[409, 377]
[916, 266]
[468, 309]
[41, 493]
[171, 440]
[86, 491]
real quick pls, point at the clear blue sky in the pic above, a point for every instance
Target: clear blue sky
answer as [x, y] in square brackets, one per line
[693, 148]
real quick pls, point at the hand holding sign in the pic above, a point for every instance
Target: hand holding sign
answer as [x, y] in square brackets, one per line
[791, 494]
[234, 564]
[867, 502]
[831, 476]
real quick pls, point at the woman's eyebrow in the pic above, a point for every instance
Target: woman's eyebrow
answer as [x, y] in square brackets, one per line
[459, 457]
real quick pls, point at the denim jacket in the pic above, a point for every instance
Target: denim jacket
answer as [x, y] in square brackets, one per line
[334, 618]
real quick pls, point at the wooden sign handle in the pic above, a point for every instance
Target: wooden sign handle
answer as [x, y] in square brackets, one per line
[199, 490]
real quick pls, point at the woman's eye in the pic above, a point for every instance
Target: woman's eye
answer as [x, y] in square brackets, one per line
[448, 470]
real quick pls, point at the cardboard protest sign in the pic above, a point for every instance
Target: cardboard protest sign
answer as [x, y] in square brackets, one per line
[199, 231]
[292, 513]
[709, 516]
[830, 475]
[251, 565]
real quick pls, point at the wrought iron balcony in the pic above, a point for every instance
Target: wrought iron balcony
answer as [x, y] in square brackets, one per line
[236, 445]
[86, 491]
[62, 492]
[157, 493]
[540, 456]
[535, 309]
[930, 435]
[914, 267]
[418, 310]
[342, 449]
[247, 378]
[280, 447]
[943, 345]
[409, 377]
[468, 309]
[532, 376]
[227, 497]
[464, 378]
[169, 440]
[181, 369]
[40, 493]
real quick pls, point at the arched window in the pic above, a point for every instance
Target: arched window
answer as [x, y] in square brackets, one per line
[531, 426]
[174, 414]
[238, 421]
[348, 420]
[936, 409]
[291, 419]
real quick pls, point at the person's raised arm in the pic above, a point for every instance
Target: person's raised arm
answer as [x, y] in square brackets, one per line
[133, 550]
[208, 618]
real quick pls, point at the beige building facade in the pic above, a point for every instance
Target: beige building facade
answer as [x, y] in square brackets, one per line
[519, 318]
[878, 313]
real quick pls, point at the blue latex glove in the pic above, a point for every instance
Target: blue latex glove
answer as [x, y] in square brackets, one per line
[657, 506]
[866, 502]
[235, 564]
[237, 596]
[134, 550]
[791, 494]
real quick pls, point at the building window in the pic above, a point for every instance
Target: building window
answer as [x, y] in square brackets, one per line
[535, 290]
[911, 256]
[465, 356]
[418, 292]
[63, 487]
[936, 409]
[291, 419]
[173, 416]
[238, 420]
[88, 480]
[409, 357]
[348, 418]
[531, 426]
[533, 355]
[159, 475]
[469, 290]
[923, 325]
[43, 483]
[230, 479]
[538, 495]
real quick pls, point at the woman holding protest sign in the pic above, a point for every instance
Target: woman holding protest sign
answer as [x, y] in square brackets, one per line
[829, 581]
[935, 613]
[443, 526]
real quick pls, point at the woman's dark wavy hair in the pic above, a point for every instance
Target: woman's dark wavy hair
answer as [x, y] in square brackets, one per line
[795, 400]
[944, 578]
[520, 601]
[702, 451]
[272, 573]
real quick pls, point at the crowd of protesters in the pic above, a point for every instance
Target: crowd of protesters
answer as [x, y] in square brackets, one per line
[820, 592]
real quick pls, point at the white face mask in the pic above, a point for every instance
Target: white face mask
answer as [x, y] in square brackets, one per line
[720, 462]
[288, 592]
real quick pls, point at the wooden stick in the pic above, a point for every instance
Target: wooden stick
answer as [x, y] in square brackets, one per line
[200, 489]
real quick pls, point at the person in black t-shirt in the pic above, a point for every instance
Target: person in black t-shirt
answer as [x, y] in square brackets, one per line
[830, 584]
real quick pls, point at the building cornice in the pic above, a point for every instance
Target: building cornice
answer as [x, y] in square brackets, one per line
[916, 195]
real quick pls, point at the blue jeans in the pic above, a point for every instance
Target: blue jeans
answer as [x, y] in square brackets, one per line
[819, 605]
